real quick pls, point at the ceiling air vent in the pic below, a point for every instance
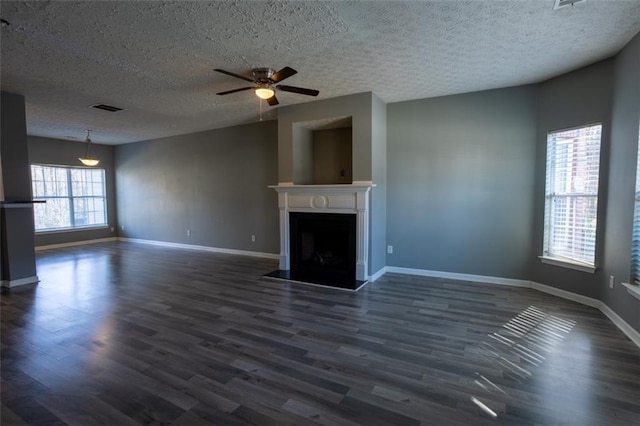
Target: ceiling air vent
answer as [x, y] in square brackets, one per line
[106, 107]
[559, 4]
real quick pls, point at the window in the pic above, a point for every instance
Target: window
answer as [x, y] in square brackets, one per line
[571, 195]
[75, 197]
[635, 235]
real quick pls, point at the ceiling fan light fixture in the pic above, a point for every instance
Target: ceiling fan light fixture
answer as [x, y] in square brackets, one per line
[88, 159]
[264, 92]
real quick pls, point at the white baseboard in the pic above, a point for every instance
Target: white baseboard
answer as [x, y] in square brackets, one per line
[459, 277]
[202, 248]
[19, 282]
[629, 331]
[378, 274]
[594, 303]
[621, 324]
[76, 243]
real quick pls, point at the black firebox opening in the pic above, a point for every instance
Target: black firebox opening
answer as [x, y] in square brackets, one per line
[323, 248]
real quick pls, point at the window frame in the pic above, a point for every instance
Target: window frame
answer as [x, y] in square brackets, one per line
[548, 257]
[71, 198]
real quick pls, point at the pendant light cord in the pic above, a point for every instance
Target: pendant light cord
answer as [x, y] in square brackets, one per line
[88, 140]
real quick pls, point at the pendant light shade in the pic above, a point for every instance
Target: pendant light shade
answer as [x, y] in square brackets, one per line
[89, 159]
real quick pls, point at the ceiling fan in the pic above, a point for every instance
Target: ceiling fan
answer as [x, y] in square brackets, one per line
[266, 81]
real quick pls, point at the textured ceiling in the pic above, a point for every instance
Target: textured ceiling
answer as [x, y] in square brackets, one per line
[156, 59]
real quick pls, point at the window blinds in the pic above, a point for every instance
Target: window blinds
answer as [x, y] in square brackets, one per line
[571, 202]
[635, 236]
[75, 197]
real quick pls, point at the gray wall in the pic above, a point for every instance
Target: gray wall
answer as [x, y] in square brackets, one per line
[620, 197]
[302, 155]
[357, 106]
[573, 99]
[378, 225]
[460, 182]
[213, 183]
[332, 153]
[65, 153]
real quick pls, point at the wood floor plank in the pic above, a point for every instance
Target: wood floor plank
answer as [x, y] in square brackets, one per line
[169, 336]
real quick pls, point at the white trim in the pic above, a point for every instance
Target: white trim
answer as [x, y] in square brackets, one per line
[629, 331]
[621, 324]
[361, 285]
[594, 303]
[19, 282]
[76, 243]
[378, 275]
[460, 277]
[202, 248]
[562, 263]
[74, 229]
[633, 289]
[339, 188]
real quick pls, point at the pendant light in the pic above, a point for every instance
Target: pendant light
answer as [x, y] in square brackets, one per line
[89, 159]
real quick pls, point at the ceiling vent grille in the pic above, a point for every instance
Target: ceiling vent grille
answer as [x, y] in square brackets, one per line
[106, 107]
[559, 4]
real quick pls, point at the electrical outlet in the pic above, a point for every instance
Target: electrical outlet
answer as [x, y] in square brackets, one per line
[113, 229]
[253, 238]
[188, 232]
[611, 281]
[389, 249]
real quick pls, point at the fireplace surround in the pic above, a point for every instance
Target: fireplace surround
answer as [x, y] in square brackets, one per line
[349, 199]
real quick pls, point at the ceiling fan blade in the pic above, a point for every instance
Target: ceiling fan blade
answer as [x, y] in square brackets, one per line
[272, 101]
[234, 90]
[285, 72]
[234, 75]
[300, 90]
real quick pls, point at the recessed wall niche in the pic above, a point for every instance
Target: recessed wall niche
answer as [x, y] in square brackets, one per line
[323, 152]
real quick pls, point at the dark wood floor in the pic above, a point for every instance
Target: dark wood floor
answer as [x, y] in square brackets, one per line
[122, 333]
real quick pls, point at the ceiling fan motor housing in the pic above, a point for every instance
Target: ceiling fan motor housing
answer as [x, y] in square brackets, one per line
[263, 75]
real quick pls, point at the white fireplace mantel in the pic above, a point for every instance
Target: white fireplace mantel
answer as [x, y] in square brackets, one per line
[345, 198]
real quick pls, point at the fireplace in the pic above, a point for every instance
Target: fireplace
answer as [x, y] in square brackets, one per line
[323, 248]
[324, 234]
